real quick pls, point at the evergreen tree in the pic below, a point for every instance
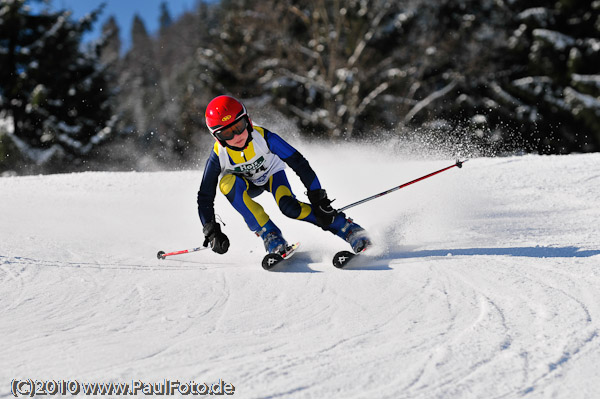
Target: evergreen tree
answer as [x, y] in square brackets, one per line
[552, 80]
[458, 46]
[138, 78]
[54, 92]
[161, 90]
[111, 52]
[325, 63]
[165, 19]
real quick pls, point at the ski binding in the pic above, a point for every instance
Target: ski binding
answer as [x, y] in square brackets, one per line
[270, 260]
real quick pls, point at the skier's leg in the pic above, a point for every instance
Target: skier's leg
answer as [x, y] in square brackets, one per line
[235, 188]
[279, 186]
[239, 192]
[349, 231]
[341, 226]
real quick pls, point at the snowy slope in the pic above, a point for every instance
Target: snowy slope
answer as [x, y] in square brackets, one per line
[485, 283]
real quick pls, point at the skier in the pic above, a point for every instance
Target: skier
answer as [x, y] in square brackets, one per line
[250, 160]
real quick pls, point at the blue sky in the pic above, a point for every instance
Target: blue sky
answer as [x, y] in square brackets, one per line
[123, 11]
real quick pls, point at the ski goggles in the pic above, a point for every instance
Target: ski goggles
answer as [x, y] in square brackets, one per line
[236, 128]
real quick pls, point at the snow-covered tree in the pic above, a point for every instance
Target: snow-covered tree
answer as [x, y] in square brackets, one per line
[53, 91]
[160, 90]
[554, 90]
[111, 51]
[165, 19]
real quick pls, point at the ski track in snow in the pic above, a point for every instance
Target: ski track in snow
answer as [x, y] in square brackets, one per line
[484, 283]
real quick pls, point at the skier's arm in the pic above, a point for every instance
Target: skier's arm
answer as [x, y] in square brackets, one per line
[294, 159]
[206, 206]
[208, 189]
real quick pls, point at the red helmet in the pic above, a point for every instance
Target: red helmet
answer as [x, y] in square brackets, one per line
[224, 111]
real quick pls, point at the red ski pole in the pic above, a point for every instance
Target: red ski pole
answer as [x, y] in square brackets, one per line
[162, 254]
[458, 163]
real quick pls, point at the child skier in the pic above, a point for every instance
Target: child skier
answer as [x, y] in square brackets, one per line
[250, 160]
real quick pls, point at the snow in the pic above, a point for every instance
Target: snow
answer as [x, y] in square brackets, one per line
[7, 125]
[38, 155]
[558, 40]
[540, 15]
[592, 80]
[581, 100]
[485, 283]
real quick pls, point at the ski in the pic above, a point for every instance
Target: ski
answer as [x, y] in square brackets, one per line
[270, 260]
[342, 258]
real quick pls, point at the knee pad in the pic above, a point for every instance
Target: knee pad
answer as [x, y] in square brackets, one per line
[293, 208]
[290, 207]
[227, 183]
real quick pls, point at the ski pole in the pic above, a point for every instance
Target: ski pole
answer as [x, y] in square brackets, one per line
[162, 254]
[458, 163]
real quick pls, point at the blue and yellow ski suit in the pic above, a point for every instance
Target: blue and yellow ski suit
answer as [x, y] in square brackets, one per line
[241, 175]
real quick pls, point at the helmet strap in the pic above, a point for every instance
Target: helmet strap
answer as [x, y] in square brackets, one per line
[250, 126]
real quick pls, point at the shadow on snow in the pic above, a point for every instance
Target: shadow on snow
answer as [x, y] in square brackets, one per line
[300, 262]
[530, 252]
[382, 262]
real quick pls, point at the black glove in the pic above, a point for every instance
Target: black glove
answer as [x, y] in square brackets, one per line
[321, 206]
[213, 235]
